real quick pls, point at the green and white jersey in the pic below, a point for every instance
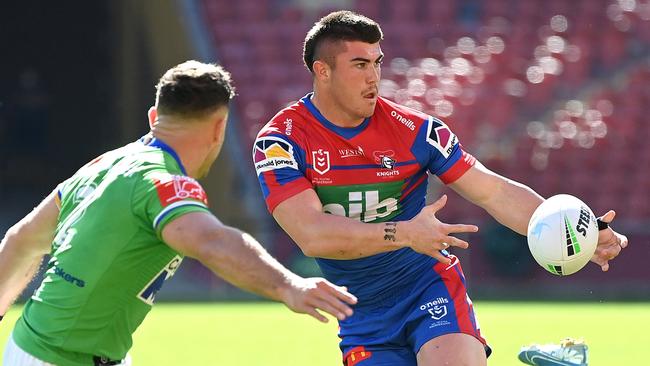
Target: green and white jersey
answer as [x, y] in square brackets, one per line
[108, 259]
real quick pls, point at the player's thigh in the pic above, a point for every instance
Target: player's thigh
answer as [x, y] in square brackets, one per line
[454, 349]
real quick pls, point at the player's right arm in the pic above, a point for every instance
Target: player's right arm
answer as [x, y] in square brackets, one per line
[238, 258]
[323, 235]
[23, 248]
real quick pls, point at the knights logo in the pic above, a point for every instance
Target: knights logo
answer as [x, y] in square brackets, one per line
[387, 162]
[321, 161]
[385, 158]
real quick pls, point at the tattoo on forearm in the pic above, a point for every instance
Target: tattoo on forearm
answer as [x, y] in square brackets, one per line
[390, 230]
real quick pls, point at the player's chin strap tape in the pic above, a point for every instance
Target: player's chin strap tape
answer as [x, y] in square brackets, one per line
[602, 225]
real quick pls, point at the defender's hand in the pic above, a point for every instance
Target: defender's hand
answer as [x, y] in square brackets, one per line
[610, 243]
[428, 235]
[308, 295]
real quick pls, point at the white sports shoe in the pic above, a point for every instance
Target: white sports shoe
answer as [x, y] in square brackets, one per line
[568, 353]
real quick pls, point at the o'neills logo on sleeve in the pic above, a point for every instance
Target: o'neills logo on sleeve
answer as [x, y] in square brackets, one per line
[403, 120]
[270, 153]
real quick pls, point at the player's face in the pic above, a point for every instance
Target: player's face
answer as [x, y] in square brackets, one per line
[355, 78]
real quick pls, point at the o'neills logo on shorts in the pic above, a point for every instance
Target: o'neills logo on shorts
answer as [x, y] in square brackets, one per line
[403, 120]
[433, 303]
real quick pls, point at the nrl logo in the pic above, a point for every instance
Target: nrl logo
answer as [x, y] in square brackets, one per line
[438, 312]
[321, 161]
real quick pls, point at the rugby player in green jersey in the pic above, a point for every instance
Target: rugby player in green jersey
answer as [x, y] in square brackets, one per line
[120, 226]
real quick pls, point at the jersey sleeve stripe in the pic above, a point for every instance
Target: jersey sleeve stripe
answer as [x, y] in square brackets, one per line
[173, 206]
[459, 168]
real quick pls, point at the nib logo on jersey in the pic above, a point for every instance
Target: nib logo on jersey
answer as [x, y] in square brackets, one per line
[270, 153]
[363, 202]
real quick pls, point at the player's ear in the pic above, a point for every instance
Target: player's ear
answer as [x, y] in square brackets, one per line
[152, 114]
[322, 70]
[219, 125]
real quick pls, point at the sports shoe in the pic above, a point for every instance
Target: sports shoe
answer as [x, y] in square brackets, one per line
[568, 353]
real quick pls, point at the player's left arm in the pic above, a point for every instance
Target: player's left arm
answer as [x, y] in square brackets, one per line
[241, 260]
[512, 204]
[23, 248]
[509, 202]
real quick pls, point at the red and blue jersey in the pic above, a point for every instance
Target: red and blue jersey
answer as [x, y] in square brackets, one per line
[374, 172]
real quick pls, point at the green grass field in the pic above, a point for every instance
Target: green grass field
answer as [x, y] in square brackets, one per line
[267, 334]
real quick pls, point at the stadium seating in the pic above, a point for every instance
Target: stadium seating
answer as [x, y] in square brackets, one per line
[553, 93]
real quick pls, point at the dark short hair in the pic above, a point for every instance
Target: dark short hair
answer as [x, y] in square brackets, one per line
[338, 26]
[193, 89]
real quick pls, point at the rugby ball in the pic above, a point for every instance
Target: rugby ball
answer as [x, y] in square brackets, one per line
[562, 234]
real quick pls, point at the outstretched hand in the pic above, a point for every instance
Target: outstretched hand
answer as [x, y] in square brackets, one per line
[610, 243]
[428, 235]
[309, 295]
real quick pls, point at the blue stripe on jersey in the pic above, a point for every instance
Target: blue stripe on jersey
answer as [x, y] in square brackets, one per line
[286, 175]
[347, 133]
[173, 207]
[155, 142]
[455, 155]
[363, 166]
[413, 203]
[264, 186]
[421, 149]
[299, 153]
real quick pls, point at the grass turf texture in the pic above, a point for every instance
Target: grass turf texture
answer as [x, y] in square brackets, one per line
[268, 334]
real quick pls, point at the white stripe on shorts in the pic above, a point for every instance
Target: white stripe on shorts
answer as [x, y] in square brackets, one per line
[15, 356]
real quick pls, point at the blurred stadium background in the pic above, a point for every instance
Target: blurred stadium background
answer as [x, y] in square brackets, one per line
[554, 93]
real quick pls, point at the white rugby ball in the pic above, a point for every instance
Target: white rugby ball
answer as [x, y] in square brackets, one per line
[562, 234]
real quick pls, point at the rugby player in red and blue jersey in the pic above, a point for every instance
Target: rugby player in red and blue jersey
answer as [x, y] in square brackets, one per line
[344, 172]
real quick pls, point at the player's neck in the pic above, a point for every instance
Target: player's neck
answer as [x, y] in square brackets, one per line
[331, 110]
[185, 147]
